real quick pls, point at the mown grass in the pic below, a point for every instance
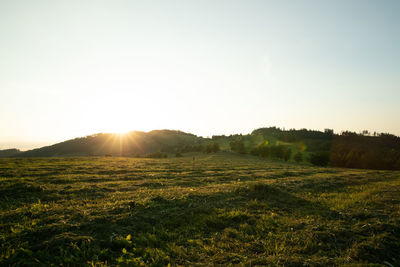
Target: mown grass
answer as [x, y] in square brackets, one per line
[221, 209]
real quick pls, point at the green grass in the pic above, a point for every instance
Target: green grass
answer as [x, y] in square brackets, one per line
[222, 209]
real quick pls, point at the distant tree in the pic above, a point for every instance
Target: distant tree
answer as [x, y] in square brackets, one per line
[275, 151]
[216, 147]
[211, 148]
[298, 157]
[365, 133]
[238, 146]
[319, 158]
[263, 149]
[287, 153]
[216, 137]
[157, 155]
[192, 148]
[349, 134]
[278, 151]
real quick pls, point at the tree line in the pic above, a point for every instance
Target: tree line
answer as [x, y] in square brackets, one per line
[323, 148]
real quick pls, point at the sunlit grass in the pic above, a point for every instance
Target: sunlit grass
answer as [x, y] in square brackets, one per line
[218, 209]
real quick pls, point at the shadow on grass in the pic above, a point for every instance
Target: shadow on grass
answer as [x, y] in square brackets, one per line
[23, 193]
[160, 222]
[319, 185]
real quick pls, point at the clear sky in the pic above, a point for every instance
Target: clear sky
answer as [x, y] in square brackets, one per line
[73, 68]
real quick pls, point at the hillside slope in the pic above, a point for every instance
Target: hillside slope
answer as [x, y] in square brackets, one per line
[9, 152]
[348, 149]
[130, 144]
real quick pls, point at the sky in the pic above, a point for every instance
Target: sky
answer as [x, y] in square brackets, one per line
[75, 68]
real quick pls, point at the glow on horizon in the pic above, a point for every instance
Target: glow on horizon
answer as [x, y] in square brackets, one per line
[76, 68]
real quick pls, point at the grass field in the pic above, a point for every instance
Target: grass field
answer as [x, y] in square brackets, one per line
[221, 209]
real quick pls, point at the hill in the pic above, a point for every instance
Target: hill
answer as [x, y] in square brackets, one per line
[322, 148]
[129, 144]
[9, 152]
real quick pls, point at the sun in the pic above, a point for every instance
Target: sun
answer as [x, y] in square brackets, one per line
[121, 131]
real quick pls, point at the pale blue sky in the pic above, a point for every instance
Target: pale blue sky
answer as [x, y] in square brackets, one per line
[72, 68]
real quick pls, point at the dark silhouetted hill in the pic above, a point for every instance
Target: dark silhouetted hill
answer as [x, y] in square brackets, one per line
[322, 148]
[131, 144]
[9, 152]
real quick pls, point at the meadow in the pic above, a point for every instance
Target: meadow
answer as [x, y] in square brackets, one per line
[218, 209]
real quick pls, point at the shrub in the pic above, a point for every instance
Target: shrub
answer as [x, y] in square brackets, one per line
[238, 146]
[157, 155]
[319, 158]
[212, 148]
[298, 157]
